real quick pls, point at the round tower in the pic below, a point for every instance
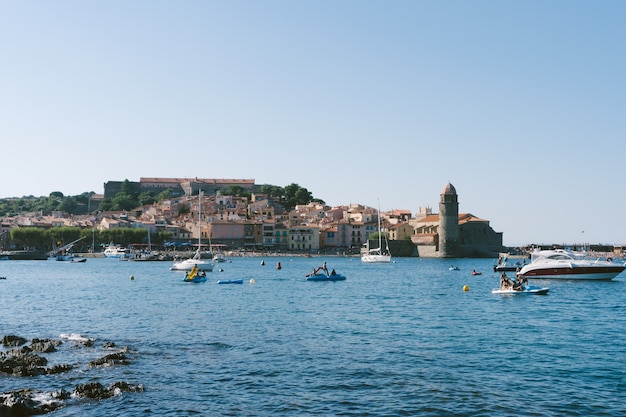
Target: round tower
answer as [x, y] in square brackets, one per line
[448, 222]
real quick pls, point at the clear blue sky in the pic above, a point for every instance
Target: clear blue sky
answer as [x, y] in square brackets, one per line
[521, 105]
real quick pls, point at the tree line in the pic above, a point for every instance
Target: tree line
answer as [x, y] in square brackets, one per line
[56, 237]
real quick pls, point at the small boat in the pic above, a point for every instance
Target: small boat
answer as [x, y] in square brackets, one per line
[190, 263]
[219, 257]
[230, 281]
[505, 266]
[324, 277]
[63, 253]
[527, 289]
[454, 268]
[195, 275]
[77, 260]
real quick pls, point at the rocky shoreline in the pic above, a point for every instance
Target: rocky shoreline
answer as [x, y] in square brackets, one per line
[21, 358]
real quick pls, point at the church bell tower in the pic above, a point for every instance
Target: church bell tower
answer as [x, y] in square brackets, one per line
[448, 222]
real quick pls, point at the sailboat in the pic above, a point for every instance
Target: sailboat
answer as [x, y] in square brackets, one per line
[195, 261]
[378, 255]
[63, 253]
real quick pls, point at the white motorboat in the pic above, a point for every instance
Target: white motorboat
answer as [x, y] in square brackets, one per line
[115, 251]
[566, 264]
[219, 257]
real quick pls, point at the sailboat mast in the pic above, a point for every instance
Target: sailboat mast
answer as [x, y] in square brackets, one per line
[199, 220]
[380, 242]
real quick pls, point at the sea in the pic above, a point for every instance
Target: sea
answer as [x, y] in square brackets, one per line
[409, 338]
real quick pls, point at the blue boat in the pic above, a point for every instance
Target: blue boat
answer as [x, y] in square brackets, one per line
[195, 275]
[526, 289]
[324, 277]
[230, 281]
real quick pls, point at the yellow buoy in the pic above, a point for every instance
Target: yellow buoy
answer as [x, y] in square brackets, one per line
[466, 288]
[252, 281]
[132, 277]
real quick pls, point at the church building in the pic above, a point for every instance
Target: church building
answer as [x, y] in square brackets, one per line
[453, 235]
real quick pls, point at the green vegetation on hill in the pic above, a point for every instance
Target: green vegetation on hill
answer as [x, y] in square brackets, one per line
[127, 199]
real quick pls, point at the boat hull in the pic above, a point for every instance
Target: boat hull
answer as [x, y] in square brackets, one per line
[504, 268]
[376, 258]
[598, 273]
[336, 277]
[195, 279]
[24, 255]
[529, 290]
[188, 264]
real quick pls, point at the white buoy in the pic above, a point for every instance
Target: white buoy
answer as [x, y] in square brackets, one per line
[251, 281]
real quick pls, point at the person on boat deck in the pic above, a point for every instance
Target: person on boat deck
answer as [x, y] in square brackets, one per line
[505, 282]
[202, 273]
[325, 268]
[333, 272]
[518, 286]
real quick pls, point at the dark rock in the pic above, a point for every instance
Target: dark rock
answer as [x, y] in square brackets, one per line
[20, 403]
[25, 361]
[22, 362]
[93, 390]
[58, 369]
[13, 340]
[97, 391]
[126, 387]
[118, 358]
[44, 345]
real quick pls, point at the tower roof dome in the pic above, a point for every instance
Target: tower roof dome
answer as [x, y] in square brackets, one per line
[449, 190]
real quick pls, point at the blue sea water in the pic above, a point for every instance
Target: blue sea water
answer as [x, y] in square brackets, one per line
[400, 339]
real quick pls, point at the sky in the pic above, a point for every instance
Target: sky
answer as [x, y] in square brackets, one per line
[520, 105]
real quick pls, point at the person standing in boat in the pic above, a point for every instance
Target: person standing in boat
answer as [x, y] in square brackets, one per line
[321, 268]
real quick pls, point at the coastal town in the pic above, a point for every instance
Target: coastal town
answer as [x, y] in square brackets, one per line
[198, 213]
